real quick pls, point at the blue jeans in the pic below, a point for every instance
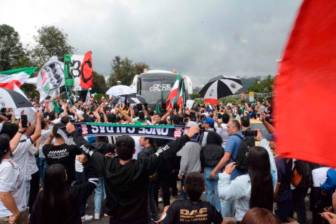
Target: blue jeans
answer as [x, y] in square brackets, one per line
[42, 166]
[211, 187]
[99, 195]
[227, 208]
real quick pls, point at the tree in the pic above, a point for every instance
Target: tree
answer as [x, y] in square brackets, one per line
[262, 86]
[99, 83]
[51, 41]
[124, 70]
[30, 90]
[12, 53]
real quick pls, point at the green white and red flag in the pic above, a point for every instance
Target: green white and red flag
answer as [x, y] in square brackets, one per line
[174, 93]
[16, 77]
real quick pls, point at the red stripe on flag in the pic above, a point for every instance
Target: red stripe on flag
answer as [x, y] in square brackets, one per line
[211, 101]
[305, 89]
[86, 76]
[10, 85]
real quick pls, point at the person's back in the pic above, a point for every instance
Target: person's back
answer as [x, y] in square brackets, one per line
[190, 158]
[221, 129]
[127, 191]
[128, 183]
[127, 179]
[192, 210]
[58, 202]
[212, 152]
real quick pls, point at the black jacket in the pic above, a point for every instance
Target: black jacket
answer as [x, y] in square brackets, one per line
[126, 185]
[211, 154]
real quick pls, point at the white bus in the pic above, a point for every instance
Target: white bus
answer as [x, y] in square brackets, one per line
[154, 85]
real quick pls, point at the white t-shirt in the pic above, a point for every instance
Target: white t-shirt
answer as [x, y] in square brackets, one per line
[319, 176]
[137, 146]
[222, 131]
[44, 136]
[11, 180]
[78, 166]
[24, 157]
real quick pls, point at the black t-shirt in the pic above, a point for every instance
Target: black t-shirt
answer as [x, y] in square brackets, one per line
[63, 154]
[192, 212]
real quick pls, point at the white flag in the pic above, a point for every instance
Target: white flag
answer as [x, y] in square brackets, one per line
[50, 78]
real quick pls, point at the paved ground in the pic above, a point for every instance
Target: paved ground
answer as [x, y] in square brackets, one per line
[105, 220]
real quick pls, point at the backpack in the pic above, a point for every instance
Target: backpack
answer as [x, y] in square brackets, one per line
[243, 150]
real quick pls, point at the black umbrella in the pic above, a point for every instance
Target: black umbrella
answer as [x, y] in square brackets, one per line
[221, 86]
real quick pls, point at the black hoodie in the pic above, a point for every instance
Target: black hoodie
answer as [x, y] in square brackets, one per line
[126, 185]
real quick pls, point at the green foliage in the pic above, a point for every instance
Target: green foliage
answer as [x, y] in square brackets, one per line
[124, 70]
[97, 97]
[30, 90]
[12, 53]
[262, 86]
[99, 83]
[198, 101]
[230, 99]
[51, 41]
[194, 95]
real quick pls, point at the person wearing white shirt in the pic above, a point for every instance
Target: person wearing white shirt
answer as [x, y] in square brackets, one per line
[13, 208]
[24, 157]
[221, 128]
[253, 189]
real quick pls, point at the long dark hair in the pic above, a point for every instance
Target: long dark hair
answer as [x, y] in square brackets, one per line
[56, 201]
[261, 179]
[4, 145]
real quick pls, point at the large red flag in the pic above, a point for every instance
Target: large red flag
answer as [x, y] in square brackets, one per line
[305, 89]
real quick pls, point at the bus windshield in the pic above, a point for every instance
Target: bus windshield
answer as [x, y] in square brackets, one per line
[155, 89]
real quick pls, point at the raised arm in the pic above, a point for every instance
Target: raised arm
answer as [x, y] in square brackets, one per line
[225, 159]
[168, 150]
[38, 129]
[98, 159]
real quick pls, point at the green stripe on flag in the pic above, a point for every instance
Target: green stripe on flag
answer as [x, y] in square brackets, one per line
[128, 125]
[29, 70]
[68, 79]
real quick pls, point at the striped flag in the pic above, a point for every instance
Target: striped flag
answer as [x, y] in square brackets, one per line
[15, 77]
[173, 94]
[180, 101]
[78, 71]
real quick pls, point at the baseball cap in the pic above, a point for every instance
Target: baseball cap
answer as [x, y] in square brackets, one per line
[208, 120]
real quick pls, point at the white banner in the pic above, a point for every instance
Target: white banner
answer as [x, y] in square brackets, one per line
[50, 78]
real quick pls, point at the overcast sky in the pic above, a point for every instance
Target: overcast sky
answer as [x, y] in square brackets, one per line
[198, 38]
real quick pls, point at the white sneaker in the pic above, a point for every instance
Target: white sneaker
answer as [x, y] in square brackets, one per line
[86, 218]
[96, 216]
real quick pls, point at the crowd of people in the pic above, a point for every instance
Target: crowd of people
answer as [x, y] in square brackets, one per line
[230, 174]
